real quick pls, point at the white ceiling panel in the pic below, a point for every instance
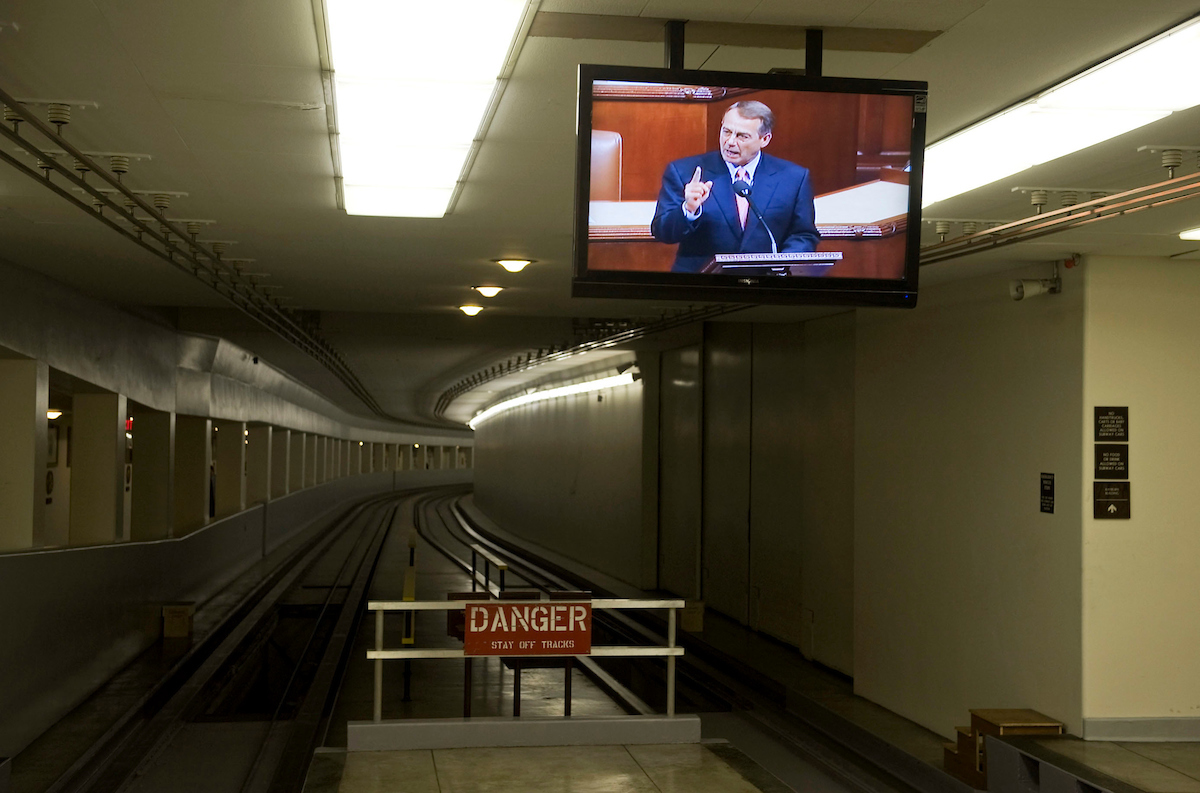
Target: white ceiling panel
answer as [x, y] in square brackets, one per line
[171, 36]
[916, 14]
[807, 12]
[709, 10]
[835, 62]
[616, 8]
[206, 125]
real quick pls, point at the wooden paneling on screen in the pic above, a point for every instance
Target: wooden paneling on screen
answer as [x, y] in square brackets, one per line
[653, 134]
[861, 258]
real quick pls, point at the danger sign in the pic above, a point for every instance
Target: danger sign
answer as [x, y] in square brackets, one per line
[536, 628]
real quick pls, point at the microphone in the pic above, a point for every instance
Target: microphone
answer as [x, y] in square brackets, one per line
[744, 189]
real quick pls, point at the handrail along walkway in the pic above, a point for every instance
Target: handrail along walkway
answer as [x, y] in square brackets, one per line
[670, 651]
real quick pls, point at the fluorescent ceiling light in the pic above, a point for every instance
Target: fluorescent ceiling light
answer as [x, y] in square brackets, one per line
[488, 291]
[413, 82]
[1190, 234]
[514, 265]
[53, 414]
[470, 311]
[408, 202]
[1128, 91]
[551, 393]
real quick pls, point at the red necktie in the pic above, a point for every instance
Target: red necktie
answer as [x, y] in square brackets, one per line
[742, 204]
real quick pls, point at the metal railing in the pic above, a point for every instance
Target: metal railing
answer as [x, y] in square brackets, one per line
[490, 560]
[380, 654]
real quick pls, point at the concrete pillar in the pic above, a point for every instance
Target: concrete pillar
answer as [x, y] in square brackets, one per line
[330, 457]
[322, 471]
[406, 457]
[469, 457]
[24, 398]
[361, 459]
[346, 458]
[230, 464]
[310, 461]
[259, 451]
[193, 473]
[153, 503]
[378, 463]
[296, 474]
[281, 459]
[335, 458]
[97, 468]
[420, 456]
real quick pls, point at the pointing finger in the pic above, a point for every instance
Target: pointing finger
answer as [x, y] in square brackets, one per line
[696, 176]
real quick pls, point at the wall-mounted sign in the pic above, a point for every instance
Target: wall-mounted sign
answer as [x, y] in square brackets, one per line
[1110, 500]
[1112, 424]
[1048, 493]
[1112, 461]
[528, 628]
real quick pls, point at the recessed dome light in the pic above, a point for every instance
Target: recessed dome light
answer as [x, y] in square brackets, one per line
[488, 291]
[470, 311]
[514, 265]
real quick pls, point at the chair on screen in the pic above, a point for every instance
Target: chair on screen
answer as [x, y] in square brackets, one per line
[606, 165]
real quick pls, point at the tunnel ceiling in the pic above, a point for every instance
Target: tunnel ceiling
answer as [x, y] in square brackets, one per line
[227, 99]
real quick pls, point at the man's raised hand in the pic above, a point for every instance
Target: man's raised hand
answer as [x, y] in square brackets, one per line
[696, 192]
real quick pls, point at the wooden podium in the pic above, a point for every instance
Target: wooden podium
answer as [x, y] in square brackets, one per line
[779, 264]
[866, 223]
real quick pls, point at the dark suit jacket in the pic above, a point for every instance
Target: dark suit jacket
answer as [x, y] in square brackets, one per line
[782, 193]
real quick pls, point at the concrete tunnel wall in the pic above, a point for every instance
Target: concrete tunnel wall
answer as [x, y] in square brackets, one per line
[867, 486]
[84, 613]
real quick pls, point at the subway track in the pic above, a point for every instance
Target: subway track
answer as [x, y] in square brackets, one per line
[707, 680]
[246, 709]
[248, 704]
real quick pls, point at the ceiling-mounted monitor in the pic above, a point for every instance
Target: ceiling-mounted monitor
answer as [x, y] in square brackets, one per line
[769, 188]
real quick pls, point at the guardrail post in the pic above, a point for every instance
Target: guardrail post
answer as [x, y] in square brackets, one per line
[671, 663]
[570, 665]
[467, 688]
[378, 667]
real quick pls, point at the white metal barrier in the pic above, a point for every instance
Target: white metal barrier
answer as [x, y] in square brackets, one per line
[381, 607]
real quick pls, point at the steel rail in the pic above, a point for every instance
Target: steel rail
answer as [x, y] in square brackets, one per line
[625, 698]
[1138, 199]
[288, 772]
[148, 727]
[244, 295]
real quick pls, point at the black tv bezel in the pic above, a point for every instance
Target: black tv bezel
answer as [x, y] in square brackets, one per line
[796, 290]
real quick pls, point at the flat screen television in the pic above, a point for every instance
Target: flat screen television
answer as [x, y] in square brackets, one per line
[755, 188]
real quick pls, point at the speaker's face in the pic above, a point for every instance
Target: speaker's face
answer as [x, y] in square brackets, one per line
[740, 138]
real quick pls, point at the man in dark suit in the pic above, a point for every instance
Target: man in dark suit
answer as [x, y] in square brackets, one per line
[698, 209]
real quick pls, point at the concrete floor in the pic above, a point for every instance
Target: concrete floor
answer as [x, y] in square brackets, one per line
[1159, 767]
[675, 768]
